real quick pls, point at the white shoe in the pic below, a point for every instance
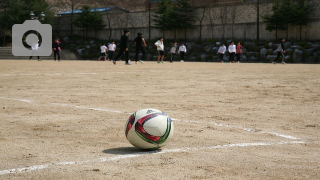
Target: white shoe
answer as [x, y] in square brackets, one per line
[136, 62]
[283, 63]
[182, 60]
[141, 61]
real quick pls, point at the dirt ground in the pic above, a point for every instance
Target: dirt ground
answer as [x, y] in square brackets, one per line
[65, 120]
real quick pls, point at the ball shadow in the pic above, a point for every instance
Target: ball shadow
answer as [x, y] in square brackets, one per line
[129, 150]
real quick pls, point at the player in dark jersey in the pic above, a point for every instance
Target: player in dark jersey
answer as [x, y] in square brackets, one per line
[140, 44]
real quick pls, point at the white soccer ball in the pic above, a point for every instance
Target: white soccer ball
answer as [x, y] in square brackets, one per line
[149, 129]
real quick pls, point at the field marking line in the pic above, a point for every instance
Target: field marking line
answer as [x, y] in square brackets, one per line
[47, 74]
[174, 119]
[133, 155]
[189, 121]
[22, 100]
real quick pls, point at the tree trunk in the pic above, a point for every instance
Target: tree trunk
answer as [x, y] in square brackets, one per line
[71, 23]
[4, 39]
[200, 37]
[300, 32]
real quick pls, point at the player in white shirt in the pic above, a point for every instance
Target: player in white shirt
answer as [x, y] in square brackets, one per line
[104, 49]
[111, 49]
[221, 51]
[232, 51]
[182, 50]
[160, 48]
[34, 48]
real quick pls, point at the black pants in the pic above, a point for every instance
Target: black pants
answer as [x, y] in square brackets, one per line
[137, 52]
[280, 53]
[37, 56]
[34, 53]
[55, 53]
[231, 57]
[110, 54]
[238, 55]
[121, 53]
[182, 55]
[172, 57]
[221, 56]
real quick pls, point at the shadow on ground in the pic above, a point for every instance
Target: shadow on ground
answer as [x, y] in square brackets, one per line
[129, 150]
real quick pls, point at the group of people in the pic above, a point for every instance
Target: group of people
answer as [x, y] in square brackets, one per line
[55, 48]
[182, 50]
[236, 50]
[140, 45]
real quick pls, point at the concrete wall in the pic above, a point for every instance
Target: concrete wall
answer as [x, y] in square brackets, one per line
[220, 22]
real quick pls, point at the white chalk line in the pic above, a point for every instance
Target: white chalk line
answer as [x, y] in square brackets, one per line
[22, 100]
[175, 119]
[133, 155]
[190, 121]
[46, 74]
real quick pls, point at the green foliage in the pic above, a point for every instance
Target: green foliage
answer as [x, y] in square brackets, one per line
[294, 12]
[180, 16]
[89, 19]
[17, 11]
[183, 15]
[162, 16]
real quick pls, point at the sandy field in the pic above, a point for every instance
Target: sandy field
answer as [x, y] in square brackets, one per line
[65, 120]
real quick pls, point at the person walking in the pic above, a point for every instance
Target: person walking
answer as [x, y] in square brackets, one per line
[238, 52]
[104, 49]
[232, 51]
[160, 48]
[182, 51]
[221, 51]
[280, 50]
[34, 48]
[140, 44]
[56, 49]
[124, 47]
[173, 51]
[111, 49]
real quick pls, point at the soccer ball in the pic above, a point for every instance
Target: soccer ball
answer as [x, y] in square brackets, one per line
[149, 129]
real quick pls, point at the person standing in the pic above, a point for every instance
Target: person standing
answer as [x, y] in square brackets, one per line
[221, 51]
[124, 47]
[56, 49]
[111, 48]
[34, 48]
[173, 51]
[280, 50]
[232, 51]
[238, 52]
[182, 51]
[160, 48]
[104, 49]
[140, 44]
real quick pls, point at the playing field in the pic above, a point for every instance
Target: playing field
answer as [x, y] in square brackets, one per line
[65, 120]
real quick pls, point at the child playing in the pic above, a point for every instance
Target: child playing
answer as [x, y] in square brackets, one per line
[104, 49]
[160, 48]
[173, 51]
[182, 51]
[221, 52]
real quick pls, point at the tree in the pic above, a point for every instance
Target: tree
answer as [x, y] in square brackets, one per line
[17, 11]
[289, 12]
[89, 19]
[162, 16]
[276, 20]
[201, 14]
[183, 16]
[223, 17]
[303, 11]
